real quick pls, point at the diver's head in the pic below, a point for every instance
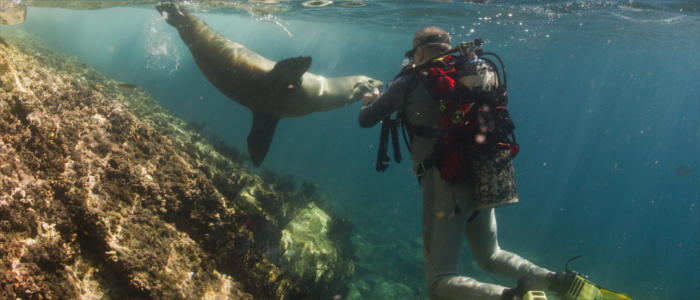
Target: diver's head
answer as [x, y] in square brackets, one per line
[428, 43]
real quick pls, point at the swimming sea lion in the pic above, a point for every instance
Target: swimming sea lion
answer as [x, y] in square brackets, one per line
[271, 90]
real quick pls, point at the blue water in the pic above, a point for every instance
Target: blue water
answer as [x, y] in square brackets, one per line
[606, 98]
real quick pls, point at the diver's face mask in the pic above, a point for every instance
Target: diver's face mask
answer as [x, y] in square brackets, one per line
[410, 53]
[409, 56]
[406, 62]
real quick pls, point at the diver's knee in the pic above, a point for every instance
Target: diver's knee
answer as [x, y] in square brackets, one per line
[485, 262]
[435, 287]
[432, 285]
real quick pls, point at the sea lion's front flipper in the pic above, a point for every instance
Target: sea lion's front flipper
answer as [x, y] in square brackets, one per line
[260, 136]
[287, 73]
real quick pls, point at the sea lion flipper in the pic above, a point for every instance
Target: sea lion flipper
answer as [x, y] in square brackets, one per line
[173, 13]
[289, 71]
[260, 136]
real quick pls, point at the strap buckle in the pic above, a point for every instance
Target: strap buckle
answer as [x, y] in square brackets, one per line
[419, 169]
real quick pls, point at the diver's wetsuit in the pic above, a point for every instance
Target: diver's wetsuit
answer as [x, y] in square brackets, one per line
[447, 206]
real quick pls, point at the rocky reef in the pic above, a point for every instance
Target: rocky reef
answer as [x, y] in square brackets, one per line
[105, 194]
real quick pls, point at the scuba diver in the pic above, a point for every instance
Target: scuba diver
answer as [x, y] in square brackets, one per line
[453, 108]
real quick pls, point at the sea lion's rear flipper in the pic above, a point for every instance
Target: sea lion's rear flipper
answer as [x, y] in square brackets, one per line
[260, 136]
[287, 73]
[173, 13]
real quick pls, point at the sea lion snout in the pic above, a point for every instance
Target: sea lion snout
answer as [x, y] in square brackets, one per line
[366, 84]
[362, 86]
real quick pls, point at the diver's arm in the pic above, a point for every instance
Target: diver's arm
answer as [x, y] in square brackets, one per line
[389, 102]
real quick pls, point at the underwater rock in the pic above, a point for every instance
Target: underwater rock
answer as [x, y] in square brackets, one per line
[12, 12]
[310, 252]
[357, 289]
[105, 194]
[398, 262]
[392, 290]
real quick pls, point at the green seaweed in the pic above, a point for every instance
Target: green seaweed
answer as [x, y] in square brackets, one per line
[222, 147]
[282, 183]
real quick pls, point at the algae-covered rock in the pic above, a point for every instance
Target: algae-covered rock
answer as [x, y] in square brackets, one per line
[392, 290]
[12, 13]
[354, 292]
[398, 262]
[308, 249]
[104, 194]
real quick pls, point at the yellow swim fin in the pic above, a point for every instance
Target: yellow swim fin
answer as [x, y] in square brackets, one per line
[610, 295]
[535, 295]
[570, 285]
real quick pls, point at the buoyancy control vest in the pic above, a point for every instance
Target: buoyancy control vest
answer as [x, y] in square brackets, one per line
[471, 119]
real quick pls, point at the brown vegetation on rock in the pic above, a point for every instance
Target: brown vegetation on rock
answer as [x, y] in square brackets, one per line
[104, 193]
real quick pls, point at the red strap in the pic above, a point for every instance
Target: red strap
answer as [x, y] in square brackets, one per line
[514, 149]
[445, 86]
[450, 167]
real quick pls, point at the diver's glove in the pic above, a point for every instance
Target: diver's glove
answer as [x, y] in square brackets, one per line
[525, 284]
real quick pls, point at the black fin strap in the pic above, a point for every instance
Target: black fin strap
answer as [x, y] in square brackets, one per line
[566, 265]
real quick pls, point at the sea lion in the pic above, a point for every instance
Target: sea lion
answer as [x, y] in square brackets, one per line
[271, 90]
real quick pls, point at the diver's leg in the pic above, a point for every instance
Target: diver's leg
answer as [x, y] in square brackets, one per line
[443, 231]
[482, 235]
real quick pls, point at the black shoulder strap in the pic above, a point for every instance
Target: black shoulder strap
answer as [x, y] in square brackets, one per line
[389, 128]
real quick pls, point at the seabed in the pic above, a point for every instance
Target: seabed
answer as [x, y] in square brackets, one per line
[105, 194]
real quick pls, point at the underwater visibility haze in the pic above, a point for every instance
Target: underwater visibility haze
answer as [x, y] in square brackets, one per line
[605, 96]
